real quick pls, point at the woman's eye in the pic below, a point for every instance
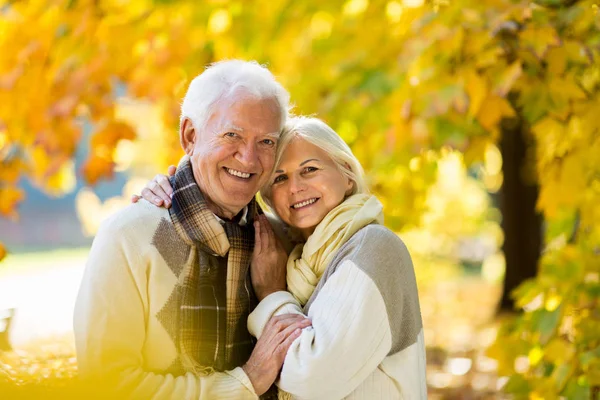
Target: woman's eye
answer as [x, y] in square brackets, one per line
[279, 178]
[310, 169]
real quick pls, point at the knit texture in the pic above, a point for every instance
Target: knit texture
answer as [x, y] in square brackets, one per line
[366, 341]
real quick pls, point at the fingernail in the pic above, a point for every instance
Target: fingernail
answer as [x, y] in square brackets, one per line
[171, 195]
[298, 331]
[156, 200]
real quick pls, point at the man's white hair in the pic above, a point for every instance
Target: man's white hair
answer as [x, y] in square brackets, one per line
[319, 134]
[223, 78]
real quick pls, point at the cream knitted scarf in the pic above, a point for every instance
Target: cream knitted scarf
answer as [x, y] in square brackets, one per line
[307, 262]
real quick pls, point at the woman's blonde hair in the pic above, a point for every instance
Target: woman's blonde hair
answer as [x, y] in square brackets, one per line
[319, 134]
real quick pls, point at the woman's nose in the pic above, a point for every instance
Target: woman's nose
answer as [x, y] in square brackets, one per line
[297, 184]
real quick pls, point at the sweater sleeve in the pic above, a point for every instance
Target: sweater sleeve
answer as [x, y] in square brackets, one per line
[110, 330]
[349, 337]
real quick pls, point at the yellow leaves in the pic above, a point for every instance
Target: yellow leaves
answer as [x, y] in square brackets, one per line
[492, 110]
[564, 90]
[565, 183]
[559, 351]
[535, 355]
[508, 78]
[413, 3]
[539, 38]
[108, 137]
[63, 181]
[557, 60]
[353, 8]
[219, 21]
[101, 162]
[348, 131]
[10, 171]
[393, 11]
[476, 88]
[321, 25]
[96, 168]
[2, 251]
[10, 196]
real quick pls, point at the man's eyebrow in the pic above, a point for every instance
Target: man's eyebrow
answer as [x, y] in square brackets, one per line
[232, 127]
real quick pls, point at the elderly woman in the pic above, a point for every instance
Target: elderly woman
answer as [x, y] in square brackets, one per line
[351, 276]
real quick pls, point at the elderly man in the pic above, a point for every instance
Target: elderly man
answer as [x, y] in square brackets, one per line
[162, 308]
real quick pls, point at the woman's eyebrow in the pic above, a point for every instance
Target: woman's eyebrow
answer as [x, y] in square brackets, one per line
[301, 164]
[306, 161]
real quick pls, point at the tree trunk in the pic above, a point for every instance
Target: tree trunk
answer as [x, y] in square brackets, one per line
[521, 223]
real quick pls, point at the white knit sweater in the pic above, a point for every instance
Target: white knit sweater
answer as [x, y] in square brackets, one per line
[366, 339]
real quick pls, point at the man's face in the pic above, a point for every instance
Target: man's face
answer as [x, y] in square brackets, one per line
[232, 155]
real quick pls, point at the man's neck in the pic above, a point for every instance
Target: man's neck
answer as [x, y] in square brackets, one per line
[220, 212]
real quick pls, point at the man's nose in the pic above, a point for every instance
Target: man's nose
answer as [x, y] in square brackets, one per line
[247, 155]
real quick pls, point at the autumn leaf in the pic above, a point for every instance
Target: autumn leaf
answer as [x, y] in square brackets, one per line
[2, 251]
[10, 197]
[508, 78]
[492, 110]
[539, 39]
[477, 91]
[96, 168]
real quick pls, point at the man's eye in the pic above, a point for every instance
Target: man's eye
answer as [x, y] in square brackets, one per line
[280, 178]
[230, 134]
[269, 142]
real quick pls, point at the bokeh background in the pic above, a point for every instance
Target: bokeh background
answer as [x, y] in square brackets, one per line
[476, 121]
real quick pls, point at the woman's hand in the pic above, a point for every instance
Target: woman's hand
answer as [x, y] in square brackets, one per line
[269, 260]
[158, 191]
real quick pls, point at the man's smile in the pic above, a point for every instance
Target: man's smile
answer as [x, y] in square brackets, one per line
[238, 174]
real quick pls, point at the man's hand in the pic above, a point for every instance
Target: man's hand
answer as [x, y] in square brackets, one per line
[267, 358]
[158, 191]
[269, 260]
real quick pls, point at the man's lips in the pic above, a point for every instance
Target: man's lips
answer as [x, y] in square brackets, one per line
[238, 174]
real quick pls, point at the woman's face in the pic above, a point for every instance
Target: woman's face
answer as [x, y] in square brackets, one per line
[307, 184]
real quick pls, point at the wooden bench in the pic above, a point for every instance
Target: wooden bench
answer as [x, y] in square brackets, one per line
[6, 317]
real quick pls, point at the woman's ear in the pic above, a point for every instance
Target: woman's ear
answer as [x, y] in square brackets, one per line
[187, 136]
[350, 186]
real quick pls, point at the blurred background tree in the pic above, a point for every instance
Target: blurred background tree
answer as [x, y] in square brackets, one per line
[441, 101]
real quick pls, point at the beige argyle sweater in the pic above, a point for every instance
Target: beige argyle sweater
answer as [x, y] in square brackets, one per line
[125, 312]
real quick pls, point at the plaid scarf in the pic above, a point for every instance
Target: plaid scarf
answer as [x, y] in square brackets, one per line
[215, 291]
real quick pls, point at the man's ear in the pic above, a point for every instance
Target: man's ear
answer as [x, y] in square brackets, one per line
[187, 136]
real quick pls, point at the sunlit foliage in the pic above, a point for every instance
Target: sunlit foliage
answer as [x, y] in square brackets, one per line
[400, 81]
